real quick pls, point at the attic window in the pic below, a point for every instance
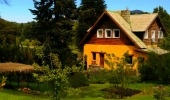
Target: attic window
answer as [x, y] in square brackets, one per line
[100, 33]
[108, 33]
[146, 35]
[116, 33]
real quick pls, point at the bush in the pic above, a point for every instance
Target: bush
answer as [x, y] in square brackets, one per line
[156, 68]
[78, 79]
[98, 76]
[159, 92]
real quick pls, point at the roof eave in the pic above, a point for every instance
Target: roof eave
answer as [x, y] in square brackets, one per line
[89, 31]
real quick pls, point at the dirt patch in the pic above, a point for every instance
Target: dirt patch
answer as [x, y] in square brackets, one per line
[119, 91]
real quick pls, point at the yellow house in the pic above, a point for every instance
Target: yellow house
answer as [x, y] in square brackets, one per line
[119, 33]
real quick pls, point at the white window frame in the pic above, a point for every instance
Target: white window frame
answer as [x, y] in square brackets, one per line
[153, 35]
[145, 36]
[98, 33]
[106, 34]
[114, 33]
[159, 34]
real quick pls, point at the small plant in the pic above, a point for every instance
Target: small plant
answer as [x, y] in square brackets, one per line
[159, 92]
[3, 82]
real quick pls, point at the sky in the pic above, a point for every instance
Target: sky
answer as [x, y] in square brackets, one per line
[18, 10]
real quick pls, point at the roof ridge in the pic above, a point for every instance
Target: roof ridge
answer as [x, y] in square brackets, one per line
[127, 29]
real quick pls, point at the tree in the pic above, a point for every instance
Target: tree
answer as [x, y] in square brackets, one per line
[156, 68]
[55, 19]
[58, 77]
[120, 72]
[164, 16]
[89, 11]
[4, 1]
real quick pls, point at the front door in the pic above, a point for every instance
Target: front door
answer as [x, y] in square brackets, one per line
[101, 59]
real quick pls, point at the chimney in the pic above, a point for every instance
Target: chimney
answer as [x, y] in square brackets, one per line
[126, 15]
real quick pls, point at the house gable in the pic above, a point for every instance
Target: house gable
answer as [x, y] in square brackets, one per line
[122, 24]
[104, 24]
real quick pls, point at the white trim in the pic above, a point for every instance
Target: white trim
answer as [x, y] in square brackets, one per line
[106, 33]
[114, 33]
[145, 36]
[98, 33]
[159, 34]
[153, 35]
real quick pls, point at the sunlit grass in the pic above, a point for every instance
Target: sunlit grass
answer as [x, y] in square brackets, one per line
[92, 92]
[7, 94]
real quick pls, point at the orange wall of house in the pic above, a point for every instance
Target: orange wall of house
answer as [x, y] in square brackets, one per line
[117, 50]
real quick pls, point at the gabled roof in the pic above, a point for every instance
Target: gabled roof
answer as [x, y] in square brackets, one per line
[116, 17]
[141, 22]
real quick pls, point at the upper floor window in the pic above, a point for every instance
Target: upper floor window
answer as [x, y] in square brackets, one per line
[100, 33]
[160, 34]
[153, 35]
[116, 33]
[146, 35]
[108, 33]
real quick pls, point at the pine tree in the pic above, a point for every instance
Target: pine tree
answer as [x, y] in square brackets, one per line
[164, 16]
[54, 24]
[89, 11]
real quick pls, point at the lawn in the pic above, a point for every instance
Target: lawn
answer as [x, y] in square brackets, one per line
[8, 94]
[92, 92]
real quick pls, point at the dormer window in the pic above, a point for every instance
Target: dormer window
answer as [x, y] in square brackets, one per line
[100, 33]
[108, 33]
[116, 33]
[146, 35]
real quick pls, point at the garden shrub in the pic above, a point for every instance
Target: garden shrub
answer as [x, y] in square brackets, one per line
[78, 79]
[99, 76]
[160, 92]
[156, 68]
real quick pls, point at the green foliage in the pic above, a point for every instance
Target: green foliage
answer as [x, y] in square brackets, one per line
[8, 31]
[57, 77]
[3, 82]
[120, 72]
[164, 16]
[78, 79]
[160, 92]
[156, 68]
[53, 29]
[89, 11]
[99, 76]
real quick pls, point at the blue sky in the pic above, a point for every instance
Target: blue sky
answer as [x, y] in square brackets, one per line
[18, 9]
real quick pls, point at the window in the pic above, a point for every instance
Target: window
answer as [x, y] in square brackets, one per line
[108, 33]
[128, 59]
[116, 33]
[94, 56]
[100, 33]
[146, 35]
[153, 35]
[159, 34]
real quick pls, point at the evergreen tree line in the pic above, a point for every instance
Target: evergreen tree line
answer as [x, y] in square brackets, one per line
[59, 27]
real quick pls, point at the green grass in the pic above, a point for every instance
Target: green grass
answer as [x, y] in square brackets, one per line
[92, 92]
[8, 94]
